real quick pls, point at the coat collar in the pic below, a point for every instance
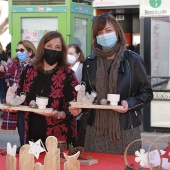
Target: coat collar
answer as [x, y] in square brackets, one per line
[121, 68]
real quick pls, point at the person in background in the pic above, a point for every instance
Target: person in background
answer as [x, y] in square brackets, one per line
[137, 49]
[49, 76]
[8, 52]
[75, 58]
[113, 70]
[25, 52]
[3, 85]
[131, 47]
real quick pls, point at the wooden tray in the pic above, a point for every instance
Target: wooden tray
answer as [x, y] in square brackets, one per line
[93, 106]
[26, 108]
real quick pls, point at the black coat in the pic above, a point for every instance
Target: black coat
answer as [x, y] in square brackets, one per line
[133, 86]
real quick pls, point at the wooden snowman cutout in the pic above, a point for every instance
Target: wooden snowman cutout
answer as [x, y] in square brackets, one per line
[52, 157]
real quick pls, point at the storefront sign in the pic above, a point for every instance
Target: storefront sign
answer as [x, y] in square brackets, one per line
[101, 3]
[151, 8]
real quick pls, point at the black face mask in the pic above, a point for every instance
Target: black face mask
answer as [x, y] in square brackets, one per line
[52, 56]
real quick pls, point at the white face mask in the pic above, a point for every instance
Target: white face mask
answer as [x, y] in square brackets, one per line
[71, 59]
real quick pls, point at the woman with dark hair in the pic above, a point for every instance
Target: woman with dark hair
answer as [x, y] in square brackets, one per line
[49, 76]
[75, 58]
[113, 70]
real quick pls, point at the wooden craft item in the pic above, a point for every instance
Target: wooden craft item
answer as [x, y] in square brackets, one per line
[39, 166]
[86, 162]
[93, 106]
[10, 157]
[72, 162]
[10, 162]
[52, 157]
[26, 108]
[26, 161]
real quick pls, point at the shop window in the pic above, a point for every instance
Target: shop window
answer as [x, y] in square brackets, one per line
[80, 33]
[38, 2]
[34, 32]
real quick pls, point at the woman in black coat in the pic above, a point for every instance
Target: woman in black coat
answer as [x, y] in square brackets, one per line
[113, 70]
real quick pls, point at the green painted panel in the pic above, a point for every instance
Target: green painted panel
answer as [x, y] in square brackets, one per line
[43, 9]
[81, 9]
[16, 25]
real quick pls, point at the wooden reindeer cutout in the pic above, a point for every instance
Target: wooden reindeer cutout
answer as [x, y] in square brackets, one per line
[72, 163]
[26, 160]
[52, 157]
[10, 157]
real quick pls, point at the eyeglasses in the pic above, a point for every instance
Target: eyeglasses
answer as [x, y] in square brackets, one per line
[102, 16]
[21, 50]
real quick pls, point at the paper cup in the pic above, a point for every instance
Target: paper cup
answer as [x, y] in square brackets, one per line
[113, 98]
[41, 102]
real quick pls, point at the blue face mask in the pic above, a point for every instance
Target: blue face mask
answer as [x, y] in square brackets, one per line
[22, 56]
[107, 40]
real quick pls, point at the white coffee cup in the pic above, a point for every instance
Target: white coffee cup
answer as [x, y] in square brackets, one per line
[113, 98]
[41, 102]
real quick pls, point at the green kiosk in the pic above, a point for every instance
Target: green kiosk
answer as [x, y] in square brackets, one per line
[31, 19]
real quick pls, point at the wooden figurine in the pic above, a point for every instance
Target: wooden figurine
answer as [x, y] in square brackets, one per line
[10, 157]
[52, 157]
[26, 160]
[12, 98]
[39, 166]
[72, 162]
[80, 92]
[89, 98]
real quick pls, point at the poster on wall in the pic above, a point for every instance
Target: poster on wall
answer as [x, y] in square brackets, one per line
[160, 47]
[154, 8]
[41, 26]
[31, 35]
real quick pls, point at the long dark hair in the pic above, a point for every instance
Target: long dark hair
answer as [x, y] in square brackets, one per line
[38, 61]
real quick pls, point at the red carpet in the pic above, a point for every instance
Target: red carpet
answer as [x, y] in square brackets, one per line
[105, 162]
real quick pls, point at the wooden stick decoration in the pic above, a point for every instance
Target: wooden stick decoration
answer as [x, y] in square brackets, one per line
[26, 160]
[10, 157]
[72, 162]
[52, 157]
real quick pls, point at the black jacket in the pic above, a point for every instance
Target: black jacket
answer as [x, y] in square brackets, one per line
[133, 86]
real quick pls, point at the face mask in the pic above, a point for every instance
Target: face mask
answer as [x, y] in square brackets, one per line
[107, 40]
[22, 56]
[52, 56]
[71, 59]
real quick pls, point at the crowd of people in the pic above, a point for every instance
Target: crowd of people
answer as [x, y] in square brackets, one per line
[53, 70]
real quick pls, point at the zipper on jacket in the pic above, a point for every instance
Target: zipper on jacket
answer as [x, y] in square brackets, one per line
[89, 79]
[131, 125]
[136, 106]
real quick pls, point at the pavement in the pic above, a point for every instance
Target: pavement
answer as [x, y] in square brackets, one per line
[8, 136]
[162, 139]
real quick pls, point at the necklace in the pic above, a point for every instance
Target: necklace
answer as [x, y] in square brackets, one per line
[43, 87]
